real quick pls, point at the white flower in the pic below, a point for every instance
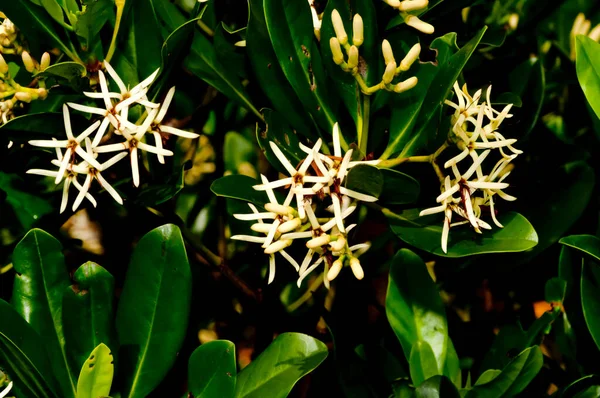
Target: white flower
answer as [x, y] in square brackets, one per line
[6, 390]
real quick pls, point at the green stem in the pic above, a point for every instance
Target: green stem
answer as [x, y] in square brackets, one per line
[113, 44]
[307, 295]
[363, 138]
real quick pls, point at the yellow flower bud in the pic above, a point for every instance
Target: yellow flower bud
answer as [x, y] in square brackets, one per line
[419, 25]
[278, 246]
[356, 268]
[42, 93]
[388, 54]
[24, 97]
[412, 5]
[261, 227]
[45, 62]
[318, 242]
[3, 65]
[338, 26]
[289, 225]
[406, 85]
[336, 51]
[335, 269]
[595, 33]
[390, 72]
[358, 36]
[393, 3]
[279, 209]
[353, 57]
[28, 62]
[410, 58]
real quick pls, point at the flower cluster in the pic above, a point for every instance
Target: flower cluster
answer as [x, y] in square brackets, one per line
[9, 37]
[583, 26]
[81, 152]
[315, 190]
[351, 65]
[474, 132]
[407, 6]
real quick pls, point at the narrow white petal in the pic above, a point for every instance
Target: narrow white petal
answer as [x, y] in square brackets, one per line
[63, 166]
[115, 77]
[100, 132]
[145, 83]
[271, 268]
[42, 172]
[87, 109]
[282, 159]
[109, 189]
[344, 166]
[248, 238]
[475, 165]
[88, 196]
[49, 144]
[111, 147]
[297, 235]
[135, 171]
[357, 195]
[67, 120]
[270, 193]
[165, 105]
[82, 192]
[179, 132]
[273, 184]
[337, 149]
[143, 128]
[487, 185]
[271, 234]
[432, 210]
[87, 157]
[337, 210]
[290, 260]
[87, 132]
[158, 143]
[306, 261]
[155, 150]
[65, 195]
[309, 270]
[255, 216]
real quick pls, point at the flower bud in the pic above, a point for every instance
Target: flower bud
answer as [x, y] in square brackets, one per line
[406, 85]
[353, 57]
[278, 246]
[388, 54]
[336, 51]
[45, 62]
[465, 14]
[3, 65]
[261, 227]
[24, 97]
[335, 269]
[42, 93]
[390, 72]
[595, 33]
[338, 26]
[356, 268]
[338, 244]
[318, 241]
[358, 36]
[279, 209]
[393, 3]
[410, 58]
[27, 61]
[419, 25]
[412, 5]
[289, 225]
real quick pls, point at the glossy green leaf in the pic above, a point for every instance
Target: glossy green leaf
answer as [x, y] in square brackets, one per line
[167, 189]
[452, 366]
[96, 376]
[38, 290]
[516, 236]
[268, 73]
[54, 10]
[414, 307]
[39, 126]
[88, 312]
[203, 62]
[21, 356]
[290, 28]
[281, 133]
[408, 104]
[239, 187]
[422, 362]
[590, 299]
[579, 386]
[587, 244]
[487, 376]
[29, 207]
[398, 188]
[91, 21]
[437, 387]
[555, 290]
[153, 310]
[514, 377]
[212, 370]
[277, 369]
[528, 81]
[588, 70]
[365, 179]
[66, 73]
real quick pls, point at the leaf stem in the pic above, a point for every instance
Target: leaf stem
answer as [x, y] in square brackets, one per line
[113, 44]
[363, 137]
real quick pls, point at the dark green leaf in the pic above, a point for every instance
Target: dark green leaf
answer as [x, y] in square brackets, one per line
[39, 126]
[516, 236]
[279, 131]
[239, 187]
[96, 374]
[365, 179]
[28, 207]
[155, 194]
[590, 299]
[588, 70]
[88, 312]
[38, 291]
[579, 385]
[555, 290]
[414, 307]
[66, 73]
[528, 81]
[212, 370]
[399, 20]
[488, 376]
[587, 244]
[91, 20]
[437, 387]
[153, 310]
[398, 188]
[285, 361]
[422, 363]
[21, 356]
[514, 377]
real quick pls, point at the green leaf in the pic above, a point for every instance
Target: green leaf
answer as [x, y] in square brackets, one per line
[91, 21]
[167, 189]
[588, 70]
[202, 61]
[95, 378]
[414, 307]
[452, 366]
[29, 208]
[212, 370]
[517, 235]
[437, 387]
[579, 386]
[488, 376]
[589, 245]
[407, 105]
[239, 187]
[38, 290]
[277, 369]
[514, 377]
[268, 73]
[590, 299]
[153, 310]
[422, 363]
[88, 312]
[398, 188]
[21, 356]
[291, 31]
[528, 81]
[365, 179]
[66, 73]
[555, 290]
[53, 8]
[39, 126]
[279, 131]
